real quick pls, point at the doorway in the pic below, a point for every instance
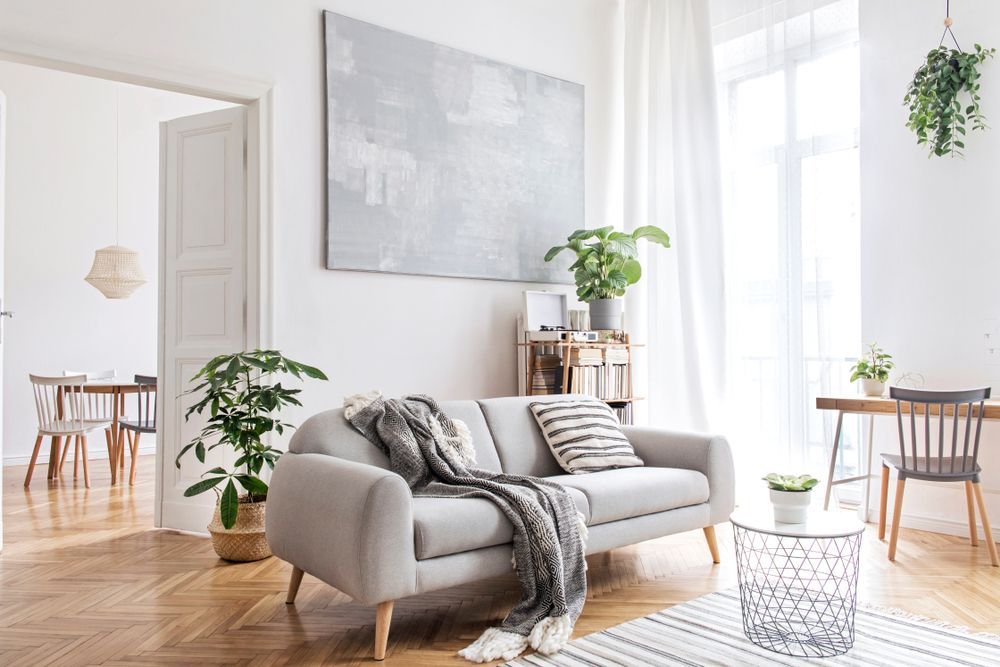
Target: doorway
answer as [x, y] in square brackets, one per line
[129, 339]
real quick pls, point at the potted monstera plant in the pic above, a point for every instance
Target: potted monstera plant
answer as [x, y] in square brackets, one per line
[605, 267]
[242, 399]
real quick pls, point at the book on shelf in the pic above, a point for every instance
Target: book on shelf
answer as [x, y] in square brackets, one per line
[615, 355]
[607, 381]
[547, 376]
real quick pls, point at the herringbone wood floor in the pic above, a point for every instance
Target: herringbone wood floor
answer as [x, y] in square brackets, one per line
[85, 581]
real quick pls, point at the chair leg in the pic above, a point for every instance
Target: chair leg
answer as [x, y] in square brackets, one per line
[135, 452]
[293, 585]
[383, 617]
[970, 506]
[990, 544]
[883, 502]
[83, 452]
[713, 545]
[76, 459]
[31, 464]
[897, 512]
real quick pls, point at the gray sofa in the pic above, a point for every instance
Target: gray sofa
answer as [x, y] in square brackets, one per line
[336, 512]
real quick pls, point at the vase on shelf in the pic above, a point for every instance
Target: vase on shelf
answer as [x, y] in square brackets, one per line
[606, 314]
[791, 506]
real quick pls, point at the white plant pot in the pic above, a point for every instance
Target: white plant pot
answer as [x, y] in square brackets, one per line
[872, 387]
[791, 506]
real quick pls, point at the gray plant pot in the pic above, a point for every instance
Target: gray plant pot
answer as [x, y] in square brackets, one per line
[606, 314]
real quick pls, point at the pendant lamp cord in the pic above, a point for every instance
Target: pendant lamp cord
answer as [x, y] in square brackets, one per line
[117, 155]
[948, 21]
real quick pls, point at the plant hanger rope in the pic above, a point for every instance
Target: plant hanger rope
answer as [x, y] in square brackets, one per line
[948, 22]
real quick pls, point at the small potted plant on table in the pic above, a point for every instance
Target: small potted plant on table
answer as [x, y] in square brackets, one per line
[791, 496]
[243, 406]
[873, 370]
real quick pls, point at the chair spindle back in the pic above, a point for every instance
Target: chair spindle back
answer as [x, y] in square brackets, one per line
[146, 400]
[59, 402]
[965, 405]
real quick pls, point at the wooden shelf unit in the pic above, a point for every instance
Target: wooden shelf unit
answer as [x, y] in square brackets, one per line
[565, 349]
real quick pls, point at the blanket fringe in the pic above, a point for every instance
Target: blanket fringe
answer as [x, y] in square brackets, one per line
[495, 644]
[355, 403]
[551, 634]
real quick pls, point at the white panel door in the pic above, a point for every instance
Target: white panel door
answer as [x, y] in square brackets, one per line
[203, 288]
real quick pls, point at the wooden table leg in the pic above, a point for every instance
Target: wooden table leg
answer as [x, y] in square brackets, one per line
[833, 460]
[54, 454]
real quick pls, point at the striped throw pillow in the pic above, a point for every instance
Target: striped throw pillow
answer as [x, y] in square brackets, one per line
[584, 435]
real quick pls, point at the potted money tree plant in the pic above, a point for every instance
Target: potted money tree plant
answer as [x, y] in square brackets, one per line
[242, 398]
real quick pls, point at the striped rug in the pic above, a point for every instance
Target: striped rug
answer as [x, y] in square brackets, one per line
[709, 631]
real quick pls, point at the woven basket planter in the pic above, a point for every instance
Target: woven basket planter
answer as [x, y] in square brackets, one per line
[245, 541]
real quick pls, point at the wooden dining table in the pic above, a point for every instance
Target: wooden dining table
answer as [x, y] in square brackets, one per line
[119, 388]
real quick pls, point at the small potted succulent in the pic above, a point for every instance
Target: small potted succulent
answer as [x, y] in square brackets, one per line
[873, 370]
[606, 267]
[242, 400]
[790, 496]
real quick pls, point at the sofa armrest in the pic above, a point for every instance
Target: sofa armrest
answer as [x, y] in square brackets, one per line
[708, 454]
[349, 524]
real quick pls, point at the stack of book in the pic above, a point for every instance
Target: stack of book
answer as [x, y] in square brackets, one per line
[623, 411]
[547, 378]
[607, 381]
[586, 356]
[616, 355]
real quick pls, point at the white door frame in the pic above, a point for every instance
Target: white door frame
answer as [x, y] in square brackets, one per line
[257, 96]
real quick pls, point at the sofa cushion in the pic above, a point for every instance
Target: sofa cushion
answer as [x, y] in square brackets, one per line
[443, 526]
[629, 492]
[519, 441]
[584, 435]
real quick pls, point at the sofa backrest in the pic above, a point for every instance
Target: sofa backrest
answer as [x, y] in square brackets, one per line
[329, 433]
[518, 439]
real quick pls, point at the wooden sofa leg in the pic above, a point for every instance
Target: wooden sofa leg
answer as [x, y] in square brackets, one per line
[293, 585]
[383, 616]
[713, 545]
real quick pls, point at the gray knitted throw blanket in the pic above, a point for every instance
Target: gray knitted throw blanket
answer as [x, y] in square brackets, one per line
[434, 454]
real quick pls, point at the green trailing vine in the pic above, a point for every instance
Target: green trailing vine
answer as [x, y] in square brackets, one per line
[937, 114]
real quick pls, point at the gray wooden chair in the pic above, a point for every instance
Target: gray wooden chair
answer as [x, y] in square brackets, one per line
[948, 463]
[145, 421]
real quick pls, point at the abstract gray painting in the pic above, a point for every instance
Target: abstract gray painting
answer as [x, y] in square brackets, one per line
[441, 162]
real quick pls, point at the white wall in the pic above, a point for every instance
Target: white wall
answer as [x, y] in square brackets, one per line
[60, 208]
[930, 230]
[447, 337]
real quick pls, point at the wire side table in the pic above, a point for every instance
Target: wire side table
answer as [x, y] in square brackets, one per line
[798, 582]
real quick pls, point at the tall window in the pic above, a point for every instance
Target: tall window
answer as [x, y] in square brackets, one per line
[788, 84]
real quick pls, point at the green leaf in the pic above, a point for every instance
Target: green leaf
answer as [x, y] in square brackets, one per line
[653, 234]
[252, 484]
[550, 255]
[632, 270]
[228, 505]
[202, 486]
[618, 280]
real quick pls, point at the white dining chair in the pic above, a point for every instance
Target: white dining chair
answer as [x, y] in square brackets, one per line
[98, 408]
[60, 407]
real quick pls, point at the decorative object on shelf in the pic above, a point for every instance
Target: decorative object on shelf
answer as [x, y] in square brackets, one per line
[790, 496]
[432, 150]
[606, 267]
[937, 115]
[243, 405]
[116, 272]
[873, 370]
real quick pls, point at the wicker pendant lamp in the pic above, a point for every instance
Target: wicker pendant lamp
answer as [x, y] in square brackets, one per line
[116, 272]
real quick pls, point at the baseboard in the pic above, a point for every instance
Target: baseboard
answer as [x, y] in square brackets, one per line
[931, 524]
[95, 454]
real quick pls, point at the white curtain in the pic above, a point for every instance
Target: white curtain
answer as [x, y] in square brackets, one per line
[672, 179]
[788, 88]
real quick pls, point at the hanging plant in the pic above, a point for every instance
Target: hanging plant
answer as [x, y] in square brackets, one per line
[937, 113]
